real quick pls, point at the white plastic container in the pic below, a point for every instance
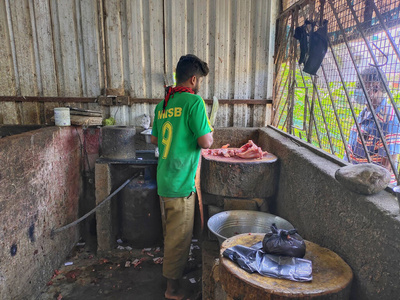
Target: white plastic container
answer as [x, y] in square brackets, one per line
[62, 116]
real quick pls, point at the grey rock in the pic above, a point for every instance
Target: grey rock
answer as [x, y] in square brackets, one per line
[365, 179]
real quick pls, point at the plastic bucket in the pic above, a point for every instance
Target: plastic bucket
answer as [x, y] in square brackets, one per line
[61, 116]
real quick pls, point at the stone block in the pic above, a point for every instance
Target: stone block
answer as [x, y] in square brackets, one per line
[41, 188]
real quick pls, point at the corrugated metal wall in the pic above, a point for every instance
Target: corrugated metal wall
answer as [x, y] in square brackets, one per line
[76, 48]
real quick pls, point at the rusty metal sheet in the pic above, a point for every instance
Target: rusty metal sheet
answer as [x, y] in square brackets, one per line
[45, 50]
[9, 113]
[23, 43]
[91, 40]
[114, 48]
[7, 82]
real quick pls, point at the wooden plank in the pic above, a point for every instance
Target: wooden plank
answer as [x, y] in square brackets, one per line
[7, 82]
[84, 120]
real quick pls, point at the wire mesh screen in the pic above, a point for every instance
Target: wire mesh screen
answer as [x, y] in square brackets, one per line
[350, 106]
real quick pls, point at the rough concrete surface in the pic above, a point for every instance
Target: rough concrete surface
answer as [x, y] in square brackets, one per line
[362, 229]
[119, 274]
[40, 187]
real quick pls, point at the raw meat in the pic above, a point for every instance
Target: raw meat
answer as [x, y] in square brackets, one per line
[248, 151]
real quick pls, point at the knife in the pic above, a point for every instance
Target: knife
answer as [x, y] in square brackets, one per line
[214, 110]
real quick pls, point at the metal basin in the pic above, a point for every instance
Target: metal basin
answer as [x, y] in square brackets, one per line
[232, 222]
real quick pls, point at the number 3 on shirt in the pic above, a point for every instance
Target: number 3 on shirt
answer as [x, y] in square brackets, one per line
[166, 138]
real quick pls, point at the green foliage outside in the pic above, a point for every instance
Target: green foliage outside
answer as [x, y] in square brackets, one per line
[321, 106]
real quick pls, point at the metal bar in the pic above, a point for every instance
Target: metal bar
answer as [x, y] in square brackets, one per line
[293, 52]
[369, 102]
[279, 64]
[343, 82]
[306, 102]
[312, 115]
[283, 110]
[281, 78]
[336, 114]
[305, 111]
[375, 60]
[298, 3]
[275, 110]
[280, 37]
[382, 23]
[323, 116]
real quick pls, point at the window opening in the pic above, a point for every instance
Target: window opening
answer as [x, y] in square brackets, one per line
[350, 108]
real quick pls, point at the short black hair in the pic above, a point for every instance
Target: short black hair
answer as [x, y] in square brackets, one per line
[374, 74]
[190, 65]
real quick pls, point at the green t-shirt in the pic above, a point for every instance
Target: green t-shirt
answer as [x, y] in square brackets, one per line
[177, 130]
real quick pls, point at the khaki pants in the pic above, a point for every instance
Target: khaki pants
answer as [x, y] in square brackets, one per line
[177, 216]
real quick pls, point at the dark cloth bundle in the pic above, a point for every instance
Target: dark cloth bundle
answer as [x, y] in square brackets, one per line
[284, 242]
[313, 45]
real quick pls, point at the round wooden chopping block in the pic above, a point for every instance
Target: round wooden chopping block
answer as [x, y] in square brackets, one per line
[332, 277]
[238, 177]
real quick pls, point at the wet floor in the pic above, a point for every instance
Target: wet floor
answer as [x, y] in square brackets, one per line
[123, 273]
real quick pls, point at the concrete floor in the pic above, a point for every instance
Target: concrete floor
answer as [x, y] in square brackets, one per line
[112, 275]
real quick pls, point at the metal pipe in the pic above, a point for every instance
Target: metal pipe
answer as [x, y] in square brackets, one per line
[54, 231]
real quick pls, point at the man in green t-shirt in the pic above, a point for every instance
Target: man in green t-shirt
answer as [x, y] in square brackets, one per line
[180, 129]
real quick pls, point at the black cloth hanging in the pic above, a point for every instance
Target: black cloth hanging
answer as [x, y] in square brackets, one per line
[313, 45]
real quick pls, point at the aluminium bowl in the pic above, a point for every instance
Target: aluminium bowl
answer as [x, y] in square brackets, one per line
[226, 224]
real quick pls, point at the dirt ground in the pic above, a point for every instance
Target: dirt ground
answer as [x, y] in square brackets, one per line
[122, 273]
